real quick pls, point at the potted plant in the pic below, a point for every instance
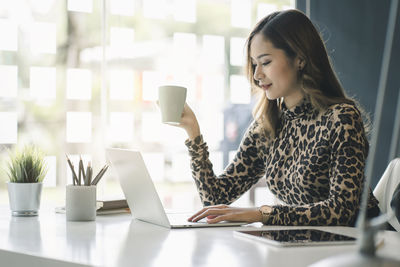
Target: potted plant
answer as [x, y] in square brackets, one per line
[26, 171]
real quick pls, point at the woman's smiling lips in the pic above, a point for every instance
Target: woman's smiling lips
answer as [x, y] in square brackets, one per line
[266, 86]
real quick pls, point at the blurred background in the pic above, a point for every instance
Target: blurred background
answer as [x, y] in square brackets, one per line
[77, 76]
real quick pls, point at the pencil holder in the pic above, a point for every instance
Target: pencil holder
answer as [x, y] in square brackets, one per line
[80, 203]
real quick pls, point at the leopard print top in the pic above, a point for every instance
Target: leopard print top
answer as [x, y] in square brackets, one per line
[315, 166]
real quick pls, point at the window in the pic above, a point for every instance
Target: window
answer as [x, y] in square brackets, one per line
[74, 83]
[79, 84]
[9, 78]
[9, 33]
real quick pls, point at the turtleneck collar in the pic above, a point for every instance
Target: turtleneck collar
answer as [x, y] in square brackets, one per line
[297, 111]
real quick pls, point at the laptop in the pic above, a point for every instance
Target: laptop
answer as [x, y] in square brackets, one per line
[142, 196]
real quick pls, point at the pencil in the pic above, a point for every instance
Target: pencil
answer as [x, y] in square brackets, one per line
[97, 176]
[100, 175]
[79, 172]
[87, 174]
[90, 174]
[74, 178]
[82, 169]
[71, 165]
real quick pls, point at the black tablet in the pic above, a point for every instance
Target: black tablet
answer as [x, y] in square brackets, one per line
[297, 237]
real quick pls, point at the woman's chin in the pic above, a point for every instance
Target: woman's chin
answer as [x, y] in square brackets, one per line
[271, 96]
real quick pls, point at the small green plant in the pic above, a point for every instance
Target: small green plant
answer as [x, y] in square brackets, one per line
[27, 165]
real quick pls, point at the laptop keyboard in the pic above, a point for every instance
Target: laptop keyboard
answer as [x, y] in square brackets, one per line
[181, 218]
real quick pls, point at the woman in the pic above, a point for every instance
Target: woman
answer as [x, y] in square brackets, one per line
[307, 138]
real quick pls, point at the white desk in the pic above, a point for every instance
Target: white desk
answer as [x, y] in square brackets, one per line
[116, 240]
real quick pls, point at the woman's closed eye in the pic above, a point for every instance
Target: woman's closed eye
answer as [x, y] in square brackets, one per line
[264, 64]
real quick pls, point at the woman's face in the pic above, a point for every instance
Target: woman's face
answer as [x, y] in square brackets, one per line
[274, 72]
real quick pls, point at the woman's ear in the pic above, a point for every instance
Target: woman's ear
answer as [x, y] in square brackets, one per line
[300, 63]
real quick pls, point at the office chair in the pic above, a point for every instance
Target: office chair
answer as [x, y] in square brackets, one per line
[387, 190]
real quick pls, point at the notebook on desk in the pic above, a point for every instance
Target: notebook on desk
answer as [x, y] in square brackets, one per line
[142, 196]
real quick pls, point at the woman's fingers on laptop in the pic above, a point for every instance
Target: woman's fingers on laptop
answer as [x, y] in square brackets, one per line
[211, 212]
[201, 213]
[215, 214]
[232, 214]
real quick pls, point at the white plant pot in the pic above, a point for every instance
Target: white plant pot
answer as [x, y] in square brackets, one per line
[24, 198]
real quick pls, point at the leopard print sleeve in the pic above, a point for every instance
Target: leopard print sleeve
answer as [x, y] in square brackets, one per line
[244, 171]
[348, 151]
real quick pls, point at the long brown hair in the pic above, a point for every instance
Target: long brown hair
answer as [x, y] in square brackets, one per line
[293, 32]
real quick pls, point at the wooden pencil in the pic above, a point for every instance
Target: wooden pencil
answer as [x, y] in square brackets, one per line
[71, 165]
[100, 175]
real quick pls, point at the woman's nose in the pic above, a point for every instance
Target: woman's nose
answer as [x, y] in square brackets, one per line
[258, 75]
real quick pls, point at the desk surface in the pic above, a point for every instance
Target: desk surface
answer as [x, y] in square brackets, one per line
[117, 240]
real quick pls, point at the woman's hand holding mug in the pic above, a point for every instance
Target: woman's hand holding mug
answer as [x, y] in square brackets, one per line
[175, 111]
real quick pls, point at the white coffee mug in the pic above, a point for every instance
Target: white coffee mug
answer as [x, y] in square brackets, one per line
[171, 99]
[80, 203]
